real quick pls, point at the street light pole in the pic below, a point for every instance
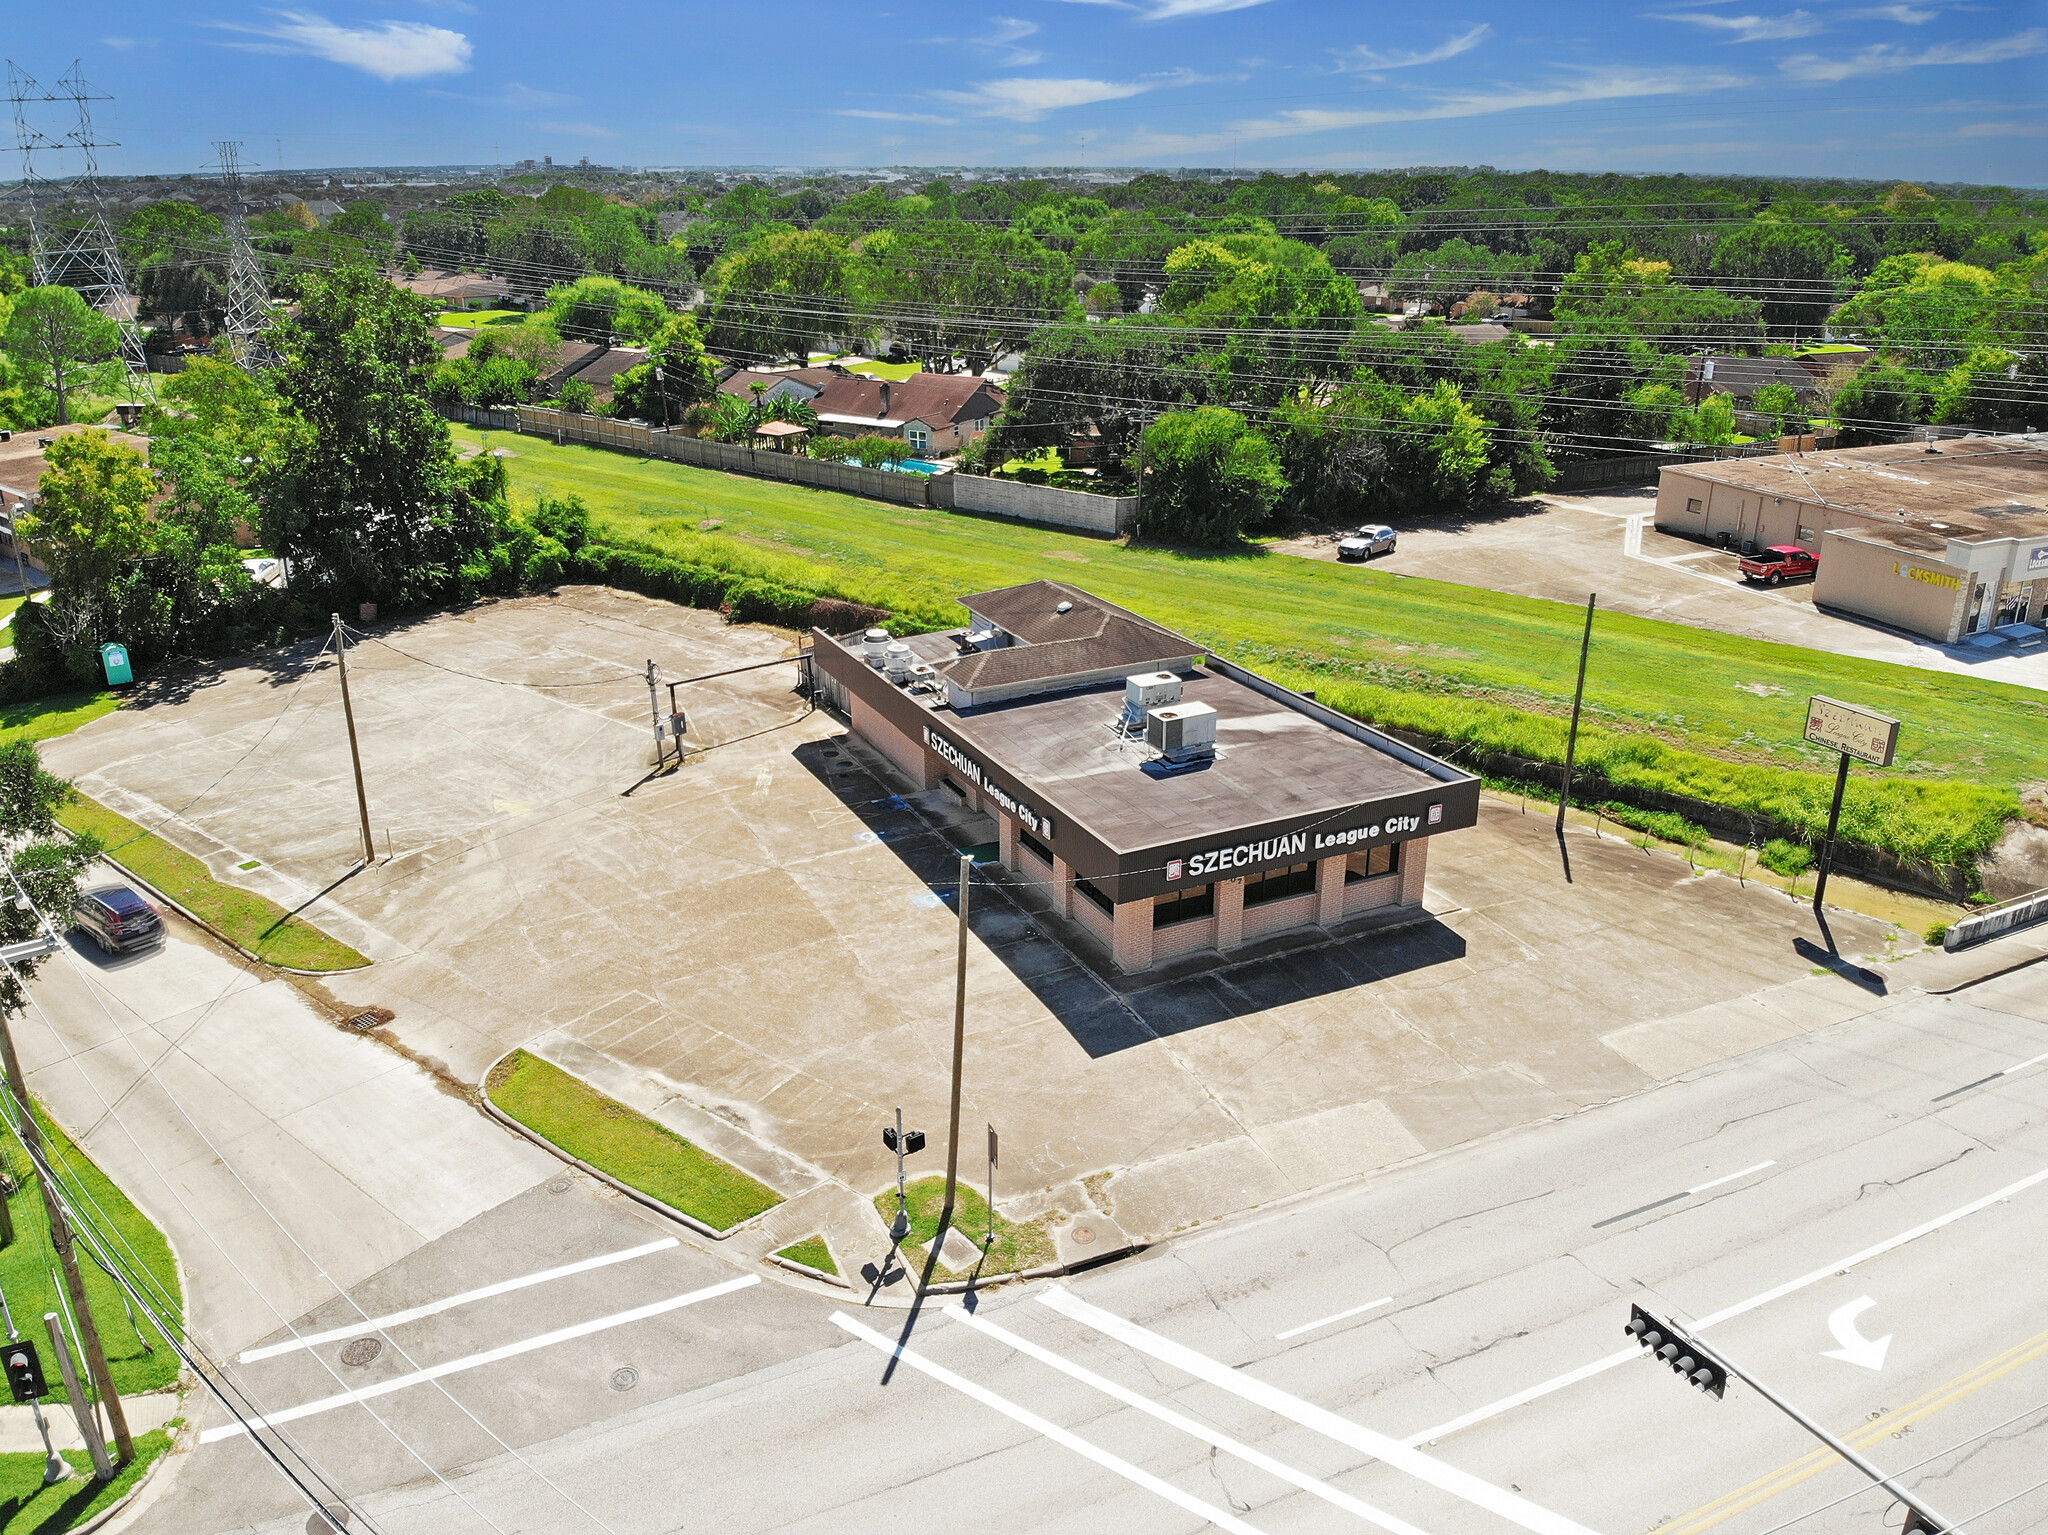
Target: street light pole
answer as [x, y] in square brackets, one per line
[959, 1047]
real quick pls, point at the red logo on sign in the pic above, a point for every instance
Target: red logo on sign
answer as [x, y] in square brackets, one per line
[1174, 867]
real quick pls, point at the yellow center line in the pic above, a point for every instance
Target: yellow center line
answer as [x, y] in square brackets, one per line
[1862, 1437]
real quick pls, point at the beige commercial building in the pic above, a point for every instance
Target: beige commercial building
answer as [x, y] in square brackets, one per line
[1947, 540]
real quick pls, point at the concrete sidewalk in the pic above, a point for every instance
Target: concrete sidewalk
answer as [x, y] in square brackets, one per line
[284, 1158]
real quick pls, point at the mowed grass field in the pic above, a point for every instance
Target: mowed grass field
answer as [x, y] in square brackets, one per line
[1737, 698]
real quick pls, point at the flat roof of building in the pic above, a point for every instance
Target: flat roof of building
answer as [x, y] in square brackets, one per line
[1968, 488]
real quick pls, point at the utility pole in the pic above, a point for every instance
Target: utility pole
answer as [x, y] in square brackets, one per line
[959, 1047]
[1571, 745]
[654, 712]
[248, 306]
[60, 1239]
[81, 1404]
[354, 752]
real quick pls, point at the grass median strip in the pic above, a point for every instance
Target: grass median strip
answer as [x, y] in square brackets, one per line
[259, 925]
[625, 1143]
[1018, 1245]
[811, 1252]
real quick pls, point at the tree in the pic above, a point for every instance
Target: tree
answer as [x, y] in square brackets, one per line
[676, 375]
[66, 344]
[1209, 476]
[1779, 404]
[1999, 390]
[605, 309]
[946, 288]
[91, 527]
[1883, 395]
[363, 493]
[1710, 424]
[577, 397]
[176, 252]
[1794, 271]
[783, 293]
[46, 864]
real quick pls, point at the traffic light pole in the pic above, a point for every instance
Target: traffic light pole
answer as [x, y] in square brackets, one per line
[67, 1256]
[55, 1466]
[1670, 1344]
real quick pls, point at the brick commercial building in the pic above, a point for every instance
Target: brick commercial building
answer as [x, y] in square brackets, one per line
[1160, 801]
[1948, 540]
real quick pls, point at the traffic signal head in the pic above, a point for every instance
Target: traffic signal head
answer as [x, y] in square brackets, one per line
[25, 1372]
[913, 1140]
[1687, 1359]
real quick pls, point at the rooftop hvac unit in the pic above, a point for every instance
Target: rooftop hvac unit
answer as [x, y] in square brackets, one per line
[1148, 690]
[872, 645]
[896, 661]
[1182, 732]
[986, 639]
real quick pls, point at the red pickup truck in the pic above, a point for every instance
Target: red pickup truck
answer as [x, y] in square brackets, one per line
[1778, 563]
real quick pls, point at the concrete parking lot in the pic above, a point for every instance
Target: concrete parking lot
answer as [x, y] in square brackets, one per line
[760, 944]
[1564, 546]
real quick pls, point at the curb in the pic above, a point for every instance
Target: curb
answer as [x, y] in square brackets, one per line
[1989, 975]
[198, 921]
[808, 1272]
[660, 1207]
[1043, 1271]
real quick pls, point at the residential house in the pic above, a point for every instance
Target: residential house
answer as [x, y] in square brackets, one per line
[934, 412]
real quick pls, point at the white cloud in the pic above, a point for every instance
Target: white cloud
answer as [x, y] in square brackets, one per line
[2003, 131]
[125, 43]
[1027, 100]
[1592, 85]
[392, 50]
[1170, 10]
[1889, 58]
[1904, 15]
[896, 117]
[1749, 29]
[515, 97]
[1002, 40]
[1362, 58]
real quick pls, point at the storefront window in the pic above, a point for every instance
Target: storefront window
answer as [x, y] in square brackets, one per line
[1025, 839]
[1184, 906]
[1372, 863]
[1082, 887]
[1280, 884]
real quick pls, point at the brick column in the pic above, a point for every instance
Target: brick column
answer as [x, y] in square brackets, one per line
[1062, 891]
[1006, 839]
[1131, 943]
[1229, 913]
[1414, 860]
[1330, 889]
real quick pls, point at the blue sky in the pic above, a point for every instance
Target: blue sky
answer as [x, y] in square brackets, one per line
[1923, 89]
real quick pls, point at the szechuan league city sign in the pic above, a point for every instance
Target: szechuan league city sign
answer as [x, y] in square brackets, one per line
[1859, 732]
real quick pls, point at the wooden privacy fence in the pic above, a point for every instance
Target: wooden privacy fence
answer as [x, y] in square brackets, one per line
[963, 492]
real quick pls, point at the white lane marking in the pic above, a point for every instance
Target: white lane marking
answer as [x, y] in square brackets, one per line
[1632, 537]
[1424, 1468]
[1717, 1182]
[1052, 1431]
[1855, 1349]
[1827, 1270]
[395, 1318]
[1187, 1425]
[1295, 1332]
[470, 1362]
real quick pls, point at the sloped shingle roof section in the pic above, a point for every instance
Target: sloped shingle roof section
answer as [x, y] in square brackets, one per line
[1091, 636]
[939, 399]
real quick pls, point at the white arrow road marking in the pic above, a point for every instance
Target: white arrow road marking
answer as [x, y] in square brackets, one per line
[1052, 1431]
[1856, 1349]
[1424, 1468]
[1187, 1425]
[488, 1356]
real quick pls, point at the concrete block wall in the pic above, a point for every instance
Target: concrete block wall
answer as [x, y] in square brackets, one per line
[1107, 515]
[907, 754]
[1278, 916]
[1229, 914]
[1368, 893]
[1183, 938]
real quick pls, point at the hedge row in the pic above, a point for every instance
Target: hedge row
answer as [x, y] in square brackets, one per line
[744, 599]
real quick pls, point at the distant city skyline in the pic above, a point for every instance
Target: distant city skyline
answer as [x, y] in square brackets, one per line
[1918, 91]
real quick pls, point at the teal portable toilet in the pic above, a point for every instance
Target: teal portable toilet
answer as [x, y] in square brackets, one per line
[114, 662]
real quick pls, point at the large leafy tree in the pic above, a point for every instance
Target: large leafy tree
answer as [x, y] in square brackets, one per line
[1208, 476]
[782, 293]
[946, 287]
[676, 375]
[363, 494]
[91, 528]
[1796, 272]
[45, 864]
[63, 343]
[605, 309]
[176, 253]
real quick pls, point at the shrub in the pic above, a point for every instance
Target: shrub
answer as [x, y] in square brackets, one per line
[1786, 858]
[1936, 933]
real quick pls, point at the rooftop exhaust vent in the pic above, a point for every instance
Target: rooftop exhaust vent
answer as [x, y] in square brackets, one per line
[1064, 607]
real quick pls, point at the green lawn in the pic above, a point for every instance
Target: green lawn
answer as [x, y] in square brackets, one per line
[41, 718]
[1460, 662]
[259, 925]
[895, 372]
[27, 1507]
[812, 1253]
[1017, 1247]
[28, 1265]
[631, 1147]
[469, 319]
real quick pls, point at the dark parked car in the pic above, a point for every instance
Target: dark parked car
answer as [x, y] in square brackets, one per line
[117, 919]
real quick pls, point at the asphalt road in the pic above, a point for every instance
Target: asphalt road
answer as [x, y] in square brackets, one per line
[1481, 1382]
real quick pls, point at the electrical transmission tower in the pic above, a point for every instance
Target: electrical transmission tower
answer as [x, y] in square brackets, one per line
[248, 306]
[77, 252]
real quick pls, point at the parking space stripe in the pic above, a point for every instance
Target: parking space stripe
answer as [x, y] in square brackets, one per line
[1371, 1305]
[1187, 1425]
[413, 1314]
[1220, 1518]
[1510, 1506]
[472, 1361]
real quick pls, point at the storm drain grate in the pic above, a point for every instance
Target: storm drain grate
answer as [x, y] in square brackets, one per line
[360, 1351]
[371, 1018]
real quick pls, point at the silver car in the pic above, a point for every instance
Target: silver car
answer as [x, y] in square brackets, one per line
[1374, 538]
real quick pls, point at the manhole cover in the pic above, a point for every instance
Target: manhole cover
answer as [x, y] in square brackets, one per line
[1082, 1234]
[559, 1186]
[625, 1378]
[360, 1351]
